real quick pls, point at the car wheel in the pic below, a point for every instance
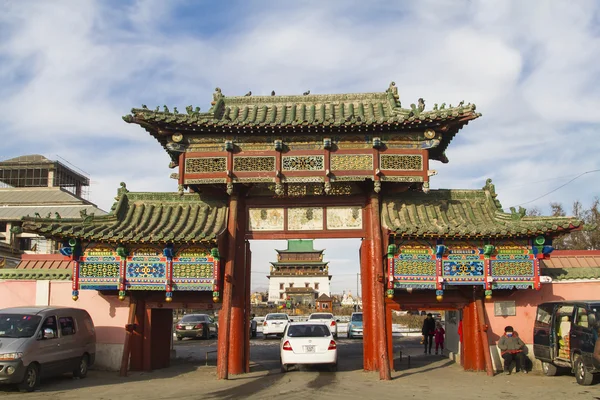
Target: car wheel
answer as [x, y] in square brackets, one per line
[253, 334]
[206, 334]
[583, 376]
[264, 336]
[333, 367]
[82, 370]
[549, 369]
[31, 381]
[284, 367]
[179, 338]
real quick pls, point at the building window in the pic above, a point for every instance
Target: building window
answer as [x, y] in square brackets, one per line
[281, 296]
[67, 326]
[316, 285]
[2, 227]
[292, 285]
[25, 244]
[281, 286]
[306, 284]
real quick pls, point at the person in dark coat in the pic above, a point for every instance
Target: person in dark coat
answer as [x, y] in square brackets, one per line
[428, 332]
[512, 349]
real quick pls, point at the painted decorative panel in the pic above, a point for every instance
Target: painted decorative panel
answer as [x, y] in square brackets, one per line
[99, 268]
[399, 162]
[243, 164]
[513, 268]
[349, 162]
[194, 269]
[265, 219]
[414, 266]
[344, 218]
[303, 163]
[513, 250]
[305, 219]
[463, 268]
[146, 269]
[201, 165]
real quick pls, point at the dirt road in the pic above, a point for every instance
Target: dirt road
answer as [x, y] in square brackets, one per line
[427, 377]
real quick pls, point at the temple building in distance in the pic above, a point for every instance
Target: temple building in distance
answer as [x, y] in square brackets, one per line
[299, 275]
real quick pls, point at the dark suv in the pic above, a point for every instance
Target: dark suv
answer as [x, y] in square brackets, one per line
[564, 336]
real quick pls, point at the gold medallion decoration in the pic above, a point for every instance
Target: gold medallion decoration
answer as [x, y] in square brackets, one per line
[429, 133]
[177, 137]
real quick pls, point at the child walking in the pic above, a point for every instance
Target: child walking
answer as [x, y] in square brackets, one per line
[439, 337]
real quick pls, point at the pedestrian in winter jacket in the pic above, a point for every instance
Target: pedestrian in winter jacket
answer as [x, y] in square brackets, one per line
[428, 331]
[439, 337]
[511, 348]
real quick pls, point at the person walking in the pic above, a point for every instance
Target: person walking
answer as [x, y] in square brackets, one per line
[439, 337]
[428, 331]
[511, 348]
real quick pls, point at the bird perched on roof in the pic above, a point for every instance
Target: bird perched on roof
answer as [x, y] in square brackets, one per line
[248, 94]
[421, 103]
[306, 93]
[272, 93]
[145, 107]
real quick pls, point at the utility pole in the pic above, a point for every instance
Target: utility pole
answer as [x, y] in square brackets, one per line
[357, 283]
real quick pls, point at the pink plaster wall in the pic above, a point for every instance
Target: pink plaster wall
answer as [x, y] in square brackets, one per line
[108, 313]
[17, 293]
[527, 301]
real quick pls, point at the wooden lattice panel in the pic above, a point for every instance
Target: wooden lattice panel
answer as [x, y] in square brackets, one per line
[199, 165]
[396, 162]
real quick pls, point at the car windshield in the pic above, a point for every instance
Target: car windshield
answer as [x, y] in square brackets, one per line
[308, 331]
[357, 317]
[18, 325]
[193, 318]
[321, 316]
[276, 316]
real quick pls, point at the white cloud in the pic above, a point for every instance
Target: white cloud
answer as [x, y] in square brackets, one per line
[70, 69]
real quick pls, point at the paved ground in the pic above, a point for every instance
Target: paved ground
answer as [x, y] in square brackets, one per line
[426, 377]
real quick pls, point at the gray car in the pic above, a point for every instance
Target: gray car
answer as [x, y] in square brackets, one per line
[37, 342]
[196, 326]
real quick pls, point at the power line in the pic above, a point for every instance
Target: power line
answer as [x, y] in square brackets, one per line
[560, 187]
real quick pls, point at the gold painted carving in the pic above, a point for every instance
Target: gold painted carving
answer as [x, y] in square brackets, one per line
[348, 162]
[303, 163]
[254, 164]
[205, 165]
[397, 162]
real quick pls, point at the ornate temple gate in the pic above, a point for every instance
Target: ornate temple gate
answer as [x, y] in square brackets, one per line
[311, 166]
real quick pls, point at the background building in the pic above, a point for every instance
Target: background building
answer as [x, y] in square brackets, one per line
[299, 274]
[38, 187]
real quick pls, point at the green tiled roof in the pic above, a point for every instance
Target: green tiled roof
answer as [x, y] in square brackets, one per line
[329, 112]
[142, 218]
[300, 246]
[561, 274]
[35, 274]
[463, 213]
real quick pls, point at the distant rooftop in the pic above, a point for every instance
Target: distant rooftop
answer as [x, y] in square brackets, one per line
[300, 246]
[38, 171]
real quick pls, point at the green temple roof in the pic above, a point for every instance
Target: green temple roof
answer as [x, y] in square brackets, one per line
[288, 114]
[36, 274]
[464, 214]
[300, 246]
[142, 218]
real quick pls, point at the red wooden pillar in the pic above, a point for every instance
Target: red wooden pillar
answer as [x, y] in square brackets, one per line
[369, 355]
[137, 336]
[147, 362]
[248, 309]
[225, 314]
[474, 359]
[238, 333]
[483, 332]
[378, 294]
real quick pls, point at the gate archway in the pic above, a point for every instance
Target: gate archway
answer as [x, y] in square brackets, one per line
[324, 161]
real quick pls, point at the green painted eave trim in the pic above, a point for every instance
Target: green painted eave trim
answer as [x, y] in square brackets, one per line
[35, 274]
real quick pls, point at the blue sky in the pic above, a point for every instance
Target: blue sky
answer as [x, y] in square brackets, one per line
[70, 69]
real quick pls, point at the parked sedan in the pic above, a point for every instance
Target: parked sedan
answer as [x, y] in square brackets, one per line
[355, 326]
[327, 319]
[308, 343]
[275, 324]
[196, 326]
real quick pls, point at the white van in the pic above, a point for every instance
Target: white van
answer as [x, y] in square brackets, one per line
[37, 342]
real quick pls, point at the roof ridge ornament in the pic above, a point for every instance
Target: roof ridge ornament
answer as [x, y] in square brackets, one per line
[491, 189]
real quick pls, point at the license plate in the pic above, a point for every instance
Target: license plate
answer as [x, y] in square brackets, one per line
[309, 349]
[189, 327]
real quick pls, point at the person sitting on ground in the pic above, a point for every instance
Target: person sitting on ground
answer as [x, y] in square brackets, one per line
[512, 349]
[428, 331]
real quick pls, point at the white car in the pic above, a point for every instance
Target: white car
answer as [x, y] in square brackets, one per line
[274, 324]
[308, 343]
[327, 319]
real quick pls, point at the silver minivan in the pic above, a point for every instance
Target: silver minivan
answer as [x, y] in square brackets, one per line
[37, 342]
